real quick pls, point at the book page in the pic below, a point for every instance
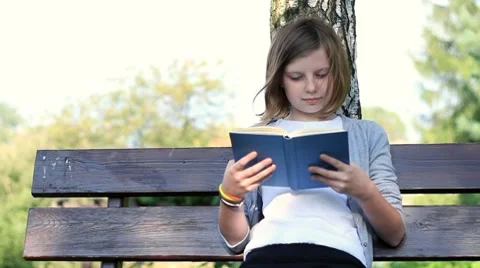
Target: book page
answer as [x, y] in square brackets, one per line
[313, 131]
[272, 130]
[261, 130]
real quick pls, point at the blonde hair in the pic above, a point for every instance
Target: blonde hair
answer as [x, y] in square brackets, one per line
[297, 39]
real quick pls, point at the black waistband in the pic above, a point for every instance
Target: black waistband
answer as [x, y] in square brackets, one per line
[298, 253]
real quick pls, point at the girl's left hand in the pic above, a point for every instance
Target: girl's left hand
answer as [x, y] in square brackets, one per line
[348, 179]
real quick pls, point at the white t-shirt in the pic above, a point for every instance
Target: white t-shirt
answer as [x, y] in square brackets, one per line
[320, 216]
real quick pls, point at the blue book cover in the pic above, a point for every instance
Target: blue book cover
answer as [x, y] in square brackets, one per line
[292, 153]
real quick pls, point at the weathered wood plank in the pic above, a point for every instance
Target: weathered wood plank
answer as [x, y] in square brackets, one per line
[421, 168]
[190, 234]
[437, 168]
[133, 171]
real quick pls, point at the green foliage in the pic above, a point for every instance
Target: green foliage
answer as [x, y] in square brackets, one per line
[182, 109]
[16, 167]
[9, 121]
[451, 64]
[390, 121]
[220, 264]
[179, 201]
[469, 199]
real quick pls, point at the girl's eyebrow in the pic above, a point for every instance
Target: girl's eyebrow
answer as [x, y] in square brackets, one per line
[296, 72]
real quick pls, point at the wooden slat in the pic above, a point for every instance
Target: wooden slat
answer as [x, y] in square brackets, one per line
[128, 171]
[437, 168]
[422, 168]
[190, 234]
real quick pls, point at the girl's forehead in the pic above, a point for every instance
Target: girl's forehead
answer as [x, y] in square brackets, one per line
[315, 59]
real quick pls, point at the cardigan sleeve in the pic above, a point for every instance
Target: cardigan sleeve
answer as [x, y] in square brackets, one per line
[382, 171]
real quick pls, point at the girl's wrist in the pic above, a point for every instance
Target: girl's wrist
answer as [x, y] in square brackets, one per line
[231, 205]
[230, 198]
[368, 193]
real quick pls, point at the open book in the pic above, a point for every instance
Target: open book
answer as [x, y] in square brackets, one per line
[292, 152]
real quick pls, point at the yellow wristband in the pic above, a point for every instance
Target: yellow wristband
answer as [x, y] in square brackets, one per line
[228, 197]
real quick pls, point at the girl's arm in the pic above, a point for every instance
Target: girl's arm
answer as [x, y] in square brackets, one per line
[238, 181]
[352, 180]
[233, 224]
[377, 192]
[384, 218]
[383, 204]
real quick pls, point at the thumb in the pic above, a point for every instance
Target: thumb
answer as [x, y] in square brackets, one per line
[230, 163]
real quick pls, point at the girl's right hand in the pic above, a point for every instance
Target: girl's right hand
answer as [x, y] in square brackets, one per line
[238, 181]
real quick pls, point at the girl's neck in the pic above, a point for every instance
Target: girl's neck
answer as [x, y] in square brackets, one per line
[311, 118]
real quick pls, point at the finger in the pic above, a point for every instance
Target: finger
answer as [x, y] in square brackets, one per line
[230, 163]
[321, 179]
[251, 171]
[324, 172]
[261, 180]
[240, 164]
[333, 161]
[252, 187]
[334, 184]
[260, 176]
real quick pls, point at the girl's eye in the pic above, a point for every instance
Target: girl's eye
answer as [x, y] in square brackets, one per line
[296, 78]
[322, 75]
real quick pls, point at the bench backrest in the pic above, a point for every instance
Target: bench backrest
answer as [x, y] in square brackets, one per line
[189, 233]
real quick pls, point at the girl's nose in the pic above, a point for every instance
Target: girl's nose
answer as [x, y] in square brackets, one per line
[311, 84]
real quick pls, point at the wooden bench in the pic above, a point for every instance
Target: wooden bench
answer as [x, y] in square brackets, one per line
[189, 233]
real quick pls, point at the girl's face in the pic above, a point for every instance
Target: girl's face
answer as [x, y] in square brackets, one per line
[306, 84]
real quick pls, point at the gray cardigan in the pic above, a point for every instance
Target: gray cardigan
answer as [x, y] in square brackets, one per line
[369, 149]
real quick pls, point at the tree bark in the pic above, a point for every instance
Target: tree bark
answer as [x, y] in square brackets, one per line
[338, 13]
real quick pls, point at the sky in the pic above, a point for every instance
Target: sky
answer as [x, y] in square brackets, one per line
[55, 52]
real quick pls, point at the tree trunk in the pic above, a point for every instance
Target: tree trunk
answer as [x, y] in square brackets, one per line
[338, 13]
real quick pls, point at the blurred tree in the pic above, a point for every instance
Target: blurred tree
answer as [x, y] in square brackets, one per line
[16, 167]
[390, 121]
[451, 66]
[9, 121]
[180, 108]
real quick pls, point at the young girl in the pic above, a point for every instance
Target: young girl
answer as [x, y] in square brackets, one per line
[307, 81]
